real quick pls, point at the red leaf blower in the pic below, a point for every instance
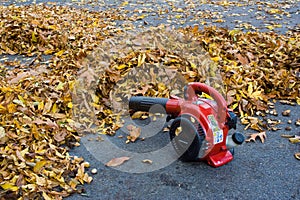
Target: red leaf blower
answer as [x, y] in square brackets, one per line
[200, 126]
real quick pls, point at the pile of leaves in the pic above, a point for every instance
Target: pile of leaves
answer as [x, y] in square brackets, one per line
[158, 63]
[256, 67]
[36, 128]
[39, 103]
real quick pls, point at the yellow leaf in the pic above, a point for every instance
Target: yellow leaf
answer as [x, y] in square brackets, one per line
[204, 95]
[125, 3]
[16, 18]
[270, 27]
[2, 108]
[138, 114]
[21, 99]
[141, 17]
[70, 105]
[298, 100]
[250, 88]
[122, 66]
[193, 66]
[71, 85]
[73, 183]
[161, 87]
[53, 27]
[219, 20]
[54, 108]
[95, 98]
[215, 59]
[234, 32]
[9, 186]
[60, 53]
[48, 51]
[87, 178]
[274, 11]
[70, 129]
[235, 106]
[46, 197]
[11, 108]
[60, 86]
[38, 166]
[295, 139]
[33, 37]
[256, 94]
[41, 105]
[141, 59]
[35, 131]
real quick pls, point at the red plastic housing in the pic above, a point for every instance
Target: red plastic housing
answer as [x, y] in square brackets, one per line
[212, 117]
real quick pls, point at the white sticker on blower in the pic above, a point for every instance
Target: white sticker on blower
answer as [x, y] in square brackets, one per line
[218, 133]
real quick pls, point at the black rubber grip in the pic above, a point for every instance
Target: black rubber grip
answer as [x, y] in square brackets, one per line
[140, 103]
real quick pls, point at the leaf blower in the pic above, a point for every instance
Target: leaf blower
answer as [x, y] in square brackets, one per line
[200, 126]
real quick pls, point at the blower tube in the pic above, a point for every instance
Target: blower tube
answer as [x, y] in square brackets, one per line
[140, 103]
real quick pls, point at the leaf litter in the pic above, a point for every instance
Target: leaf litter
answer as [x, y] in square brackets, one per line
[38, 107]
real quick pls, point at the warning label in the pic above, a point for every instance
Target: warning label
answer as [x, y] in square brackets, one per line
[218, 133]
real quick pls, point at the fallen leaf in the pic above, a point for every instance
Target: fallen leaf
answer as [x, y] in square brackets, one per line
[38, 166]
[2, 132]
[147, 161]
[286, 113]
[295, 139]
[9, 186]
[134, 133]
[139, 115]
[46, 197]
[297, 155]
[288, 128]
[286, 136]
[262, 136]
[117, 161]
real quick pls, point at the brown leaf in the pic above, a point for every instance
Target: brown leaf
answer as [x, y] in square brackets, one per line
[20, 181]
[242, 59]
[19, 155]
[262, 136]
[60, 136]
[286, 113]
[130, 127]
[19, 77]
[287, 136]
[134, 133]
[117, 161]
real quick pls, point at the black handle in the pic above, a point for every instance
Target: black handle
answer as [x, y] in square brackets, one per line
[140, 103]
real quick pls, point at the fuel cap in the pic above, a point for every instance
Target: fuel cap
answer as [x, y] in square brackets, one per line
[238, 138]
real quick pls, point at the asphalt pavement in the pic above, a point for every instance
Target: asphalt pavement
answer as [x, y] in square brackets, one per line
[259, 170]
